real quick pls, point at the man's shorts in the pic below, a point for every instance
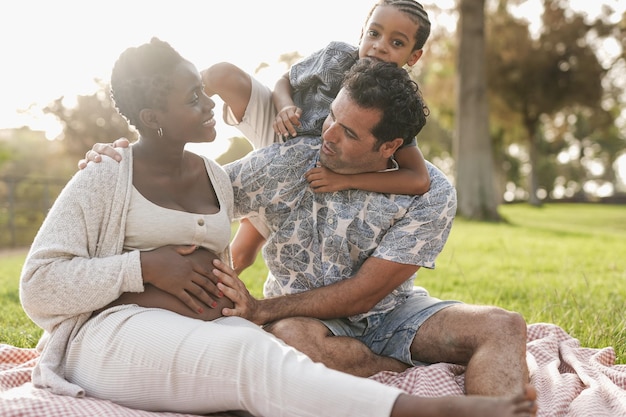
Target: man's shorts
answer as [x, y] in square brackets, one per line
[391, 334]
[258, 119]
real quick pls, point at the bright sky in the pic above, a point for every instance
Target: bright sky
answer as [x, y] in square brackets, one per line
[50, 49]
[56, 48]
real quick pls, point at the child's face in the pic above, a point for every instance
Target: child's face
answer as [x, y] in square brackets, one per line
[389, 35]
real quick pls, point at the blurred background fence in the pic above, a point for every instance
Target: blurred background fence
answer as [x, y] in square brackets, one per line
[26, 202]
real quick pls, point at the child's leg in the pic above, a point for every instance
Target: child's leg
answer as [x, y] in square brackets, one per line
[246, 245]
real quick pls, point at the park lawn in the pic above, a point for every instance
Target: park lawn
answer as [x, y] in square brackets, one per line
[561, 263]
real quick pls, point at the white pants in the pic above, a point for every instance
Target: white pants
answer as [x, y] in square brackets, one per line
[156, 360]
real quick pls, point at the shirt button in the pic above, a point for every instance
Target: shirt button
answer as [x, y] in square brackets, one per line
[200, 222]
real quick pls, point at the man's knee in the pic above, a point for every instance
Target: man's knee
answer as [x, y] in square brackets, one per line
[298, 330]
[479, 325]
[505, 323]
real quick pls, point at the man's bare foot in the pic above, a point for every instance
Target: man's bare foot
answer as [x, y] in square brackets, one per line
[522, 405]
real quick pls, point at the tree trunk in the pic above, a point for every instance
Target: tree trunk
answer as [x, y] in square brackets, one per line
[475, 183]
[533, 156]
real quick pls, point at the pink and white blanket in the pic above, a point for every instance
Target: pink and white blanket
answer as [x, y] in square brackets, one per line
[570, 380]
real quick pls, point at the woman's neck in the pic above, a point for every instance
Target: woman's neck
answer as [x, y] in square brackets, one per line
[160, 156]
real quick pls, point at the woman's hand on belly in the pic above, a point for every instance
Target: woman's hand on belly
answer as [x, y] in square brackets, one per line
[166, 267]
[185, 272]
[154, 297]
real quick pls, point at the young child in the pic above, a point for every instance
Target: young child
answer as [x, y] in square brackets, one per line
[394, 31]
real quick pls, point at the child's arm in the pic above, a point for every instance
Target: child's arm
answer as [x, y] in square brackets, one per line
[231, 84]
[287, 113]
[411, 178]
[245, 245]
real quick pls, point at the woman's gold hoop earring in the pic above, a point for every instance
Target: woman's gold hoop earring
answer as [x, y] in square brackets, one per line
[160, 132]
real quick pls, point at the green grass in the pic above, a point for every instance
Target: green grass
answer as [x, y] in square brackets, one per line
[562, 263]
[15, 327]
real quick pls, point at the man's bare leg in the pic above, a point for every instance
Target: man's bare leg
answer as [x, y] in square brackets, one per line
[345, 354]
[349, 355]
[520, 405]
[490, 341]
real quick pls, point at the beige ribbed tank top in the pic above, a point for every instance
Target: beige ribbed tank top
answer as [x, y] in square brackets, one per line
[149, 226]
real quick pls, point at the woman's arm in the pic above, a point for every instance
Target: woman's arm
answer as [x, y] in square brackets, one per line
[75, 264]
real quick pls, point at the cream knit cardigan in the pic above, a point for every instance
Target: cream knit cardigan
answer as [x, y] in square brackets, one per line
[76, 264]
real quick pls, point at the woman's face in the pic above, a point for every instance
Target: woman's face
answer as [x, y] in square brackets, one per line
[189, 116]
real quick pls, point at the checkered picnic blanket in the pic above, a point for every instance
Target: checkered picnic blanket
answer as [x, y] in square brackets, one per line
[571, 381]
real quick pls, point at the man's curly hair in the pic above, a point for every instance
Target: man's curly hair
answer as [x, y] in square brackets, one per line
[385, 86]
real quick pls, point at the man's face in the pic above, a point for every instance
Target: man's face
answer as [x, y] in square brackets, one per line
[347, 140]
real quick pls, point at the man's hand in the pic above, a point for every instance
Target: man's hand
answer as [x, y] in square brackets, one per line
[94, 154]
[183, 271]
[246, 305]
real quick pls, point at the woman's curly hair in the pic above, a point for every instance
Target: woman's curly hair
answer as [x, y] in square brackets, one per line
[141, 78]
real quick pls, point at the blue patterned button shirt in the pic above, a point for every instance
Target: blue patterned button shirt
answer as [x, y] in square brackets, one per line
[316, 80]
[316, 239]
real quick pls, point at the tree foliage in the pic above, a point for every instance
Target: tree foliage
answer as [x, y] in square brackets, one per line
[554, 105]
[93, 119]
[539, 80]
[29, 182]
